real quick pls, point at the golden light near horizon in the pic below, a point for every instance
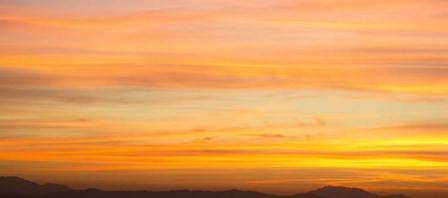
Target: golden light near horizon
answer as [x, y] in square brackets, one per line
[264, 95]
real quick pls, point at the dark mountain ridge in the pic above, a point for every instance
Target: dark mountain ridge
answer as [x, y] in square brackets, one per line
[342, 192]
[15, 187]
[18, 186]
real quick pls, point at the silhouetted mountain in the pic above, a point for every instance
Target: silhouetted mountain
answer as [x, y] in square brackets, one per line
[342, 192]
[14, 187]
[50, 188]
[395, 196]
[160, 194]
[18, 186]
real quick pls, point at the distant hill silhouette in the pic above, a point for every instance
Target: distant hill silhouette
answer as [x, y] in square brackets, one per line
[18, 186]
[15, 187]
[342, 192]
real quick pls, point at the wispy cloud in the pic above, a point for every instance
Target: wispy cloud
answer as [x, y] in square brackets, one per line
[348, 87]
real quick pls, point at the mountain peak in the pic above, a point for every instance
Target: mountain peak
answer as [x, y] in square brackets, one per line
[17, 185]
[12, 184]
[13, 179]
[93, 190]
[342, 192]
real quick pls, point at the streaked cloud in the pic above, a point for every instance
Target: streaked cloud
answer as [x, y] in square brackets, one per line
[264, 94]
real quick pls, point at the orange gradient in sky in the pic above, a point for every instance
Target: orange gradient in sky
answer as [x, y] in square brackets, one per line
[274, 96]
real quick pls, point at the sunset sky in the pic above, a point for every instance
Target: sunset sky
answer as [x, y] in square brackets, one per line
[267, 95]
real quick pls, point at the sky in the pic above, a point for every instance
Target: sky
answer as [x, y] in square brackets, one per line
[275, 96]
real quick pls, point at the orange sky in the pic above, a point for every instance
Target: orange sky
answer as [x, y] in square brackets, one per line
[275, 96]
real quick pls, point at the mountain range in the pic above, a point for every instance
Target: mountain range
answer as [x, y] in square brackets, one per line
[15, 187]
